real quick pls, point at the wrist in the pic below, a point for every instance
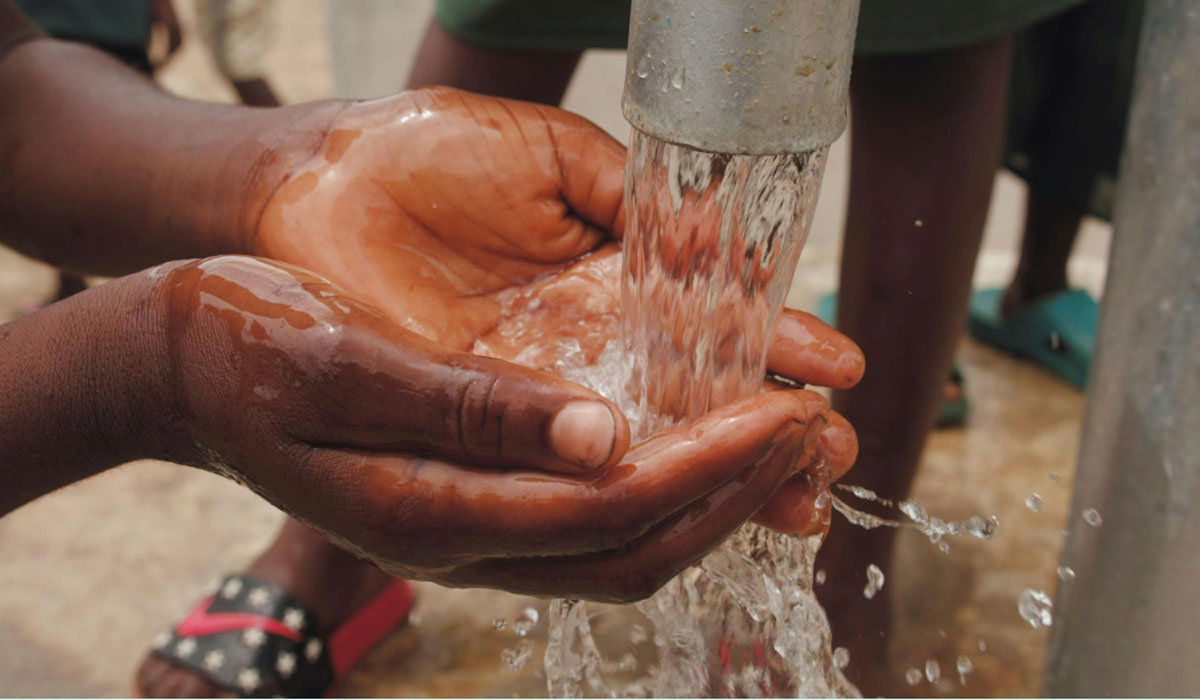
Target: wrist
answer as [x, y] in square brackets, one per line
[84, 389]
[131, 368]
[266, 156]
[150, 177]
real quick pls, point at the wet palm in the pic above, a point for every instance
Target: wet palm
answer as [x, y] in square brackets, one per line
[437, 205]
[485, 225]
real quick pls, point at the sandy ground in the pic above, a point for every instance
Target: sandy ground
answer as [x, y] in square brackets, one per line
[89, 574]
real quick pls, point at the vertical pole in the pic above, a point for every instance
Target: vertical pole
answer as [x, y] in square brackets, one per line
[1129, 624]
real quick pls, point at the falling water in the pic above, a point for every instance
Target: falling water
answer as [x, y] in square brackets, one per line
[711, 243]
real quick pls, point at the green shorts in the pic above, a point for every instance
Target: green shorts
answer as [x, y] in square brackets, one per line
[884, 26]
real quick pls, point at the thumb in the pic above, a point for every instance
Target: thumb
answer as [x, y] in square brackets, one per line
[593, 169]
[476, 410]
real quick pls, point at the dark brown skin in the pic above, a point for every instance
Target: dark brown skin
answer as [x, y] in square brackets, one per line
[327, 408]
[927, 136]
[435, 209]
[359, 427]
[511, 283]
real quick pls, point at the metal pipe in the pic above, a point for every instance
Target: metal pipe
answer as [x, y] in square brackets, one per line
[1129, 624]
[752, 76]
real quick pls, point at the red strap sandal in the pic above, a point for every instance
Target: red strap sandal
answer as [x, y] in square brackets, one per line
[253, 639]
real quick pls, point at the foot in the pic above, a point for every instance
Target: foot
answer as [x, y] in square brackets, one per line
[328, 581]
[1021, 295]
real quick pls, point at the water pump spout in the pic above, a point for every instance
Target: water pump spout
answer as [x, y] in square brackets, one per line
[752, 76]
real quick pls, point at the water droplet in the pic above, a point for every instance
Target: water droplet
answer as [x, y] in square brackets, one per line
[1091, 516]
[1055, 477]
[643, 67]
[981, 527]
[874, 581]
[499, 623]
[860, 492]
[1035, 608]
[933, 670]
[914, 510]
[1034, 502]
[943, 547]
[819, 577]
[982, 645]
[1066, 574]
[678, 79]
[525, 621]
[913, 676]
[841, 657]
[637, 634]
[918, 223]
[515, 659]
[964, 666]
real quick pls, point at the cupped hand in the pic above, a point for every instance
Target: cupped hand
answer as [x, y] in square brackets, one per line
[447, 466]
[489, 226]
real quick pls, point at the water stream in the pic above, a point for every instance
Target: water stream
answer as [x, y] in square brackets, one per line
[711, 244]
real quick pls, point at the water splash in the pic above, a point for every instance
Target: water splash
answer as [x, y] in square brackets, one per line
[515, 659]
[711, 244]
[525, 622]
[964, 667]
[874, 581]
[933, 670]
[918, 518]
[1035, 608]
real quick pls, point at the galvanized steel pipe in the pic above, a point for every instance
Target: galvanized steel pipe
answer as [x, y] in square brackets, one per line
[752, 76]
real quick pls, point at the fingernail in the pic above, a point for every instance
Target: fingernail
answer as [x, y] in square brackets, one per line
[583, 433]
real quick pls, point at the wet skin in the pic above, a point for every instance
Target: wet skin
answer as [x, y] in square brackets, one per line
[230, 363]
[488, 226]
[351, 423]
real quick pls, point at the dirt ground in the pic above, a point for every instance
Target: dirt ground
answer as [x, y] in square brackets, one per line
[88, 575]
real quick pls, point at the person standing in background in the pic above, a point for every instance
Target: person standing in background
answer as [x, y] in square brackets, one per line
[239, 32]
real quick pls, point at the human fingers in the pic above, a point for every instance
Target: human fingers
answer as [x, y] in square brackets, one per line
[637, 570]
[794, 509]
[807, 350]
[439, 514]
[330, 370]
[592, 164]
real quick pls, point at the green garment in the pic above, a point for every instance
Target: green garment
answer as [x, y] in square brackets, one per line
[1072, 67]
[884, 26]
[111, 24]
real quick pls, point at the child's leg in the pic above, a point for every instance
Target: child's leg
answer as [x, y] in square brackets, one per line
[926, 140]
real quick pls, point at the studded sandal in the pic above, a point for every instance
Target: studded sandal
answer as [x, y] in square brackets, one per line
[252, 638]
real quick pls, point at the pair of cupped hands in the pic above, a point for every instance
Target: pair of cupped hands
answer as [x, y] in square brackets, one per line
[383, 370]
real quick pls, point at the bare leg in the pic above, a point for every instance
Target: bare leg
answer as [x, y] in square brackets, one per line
[68, 284]
[928, 130]
[1050, 232]
[256, 92]
[533, 76]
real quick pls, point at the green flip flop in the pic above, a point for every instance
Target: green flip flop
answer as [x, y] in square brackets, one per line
[953, 412]
[1057, 332]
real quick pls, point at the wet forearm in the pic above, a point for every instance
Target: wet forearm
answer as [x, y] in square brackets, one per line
[84, 388]
[102, 172]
